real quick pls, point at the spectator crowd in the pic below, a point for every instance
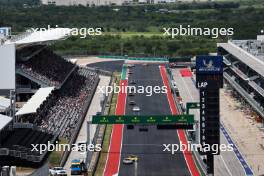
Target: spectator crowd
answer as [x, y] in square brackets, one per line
[61, 112]
[47, 67]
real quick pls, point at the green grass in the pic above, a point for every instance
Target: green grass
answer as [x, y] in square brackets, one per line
[103, 155]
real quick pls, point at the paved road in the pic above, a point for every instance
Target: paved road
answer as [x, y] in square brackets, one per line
[109, 65]
[148, 145]
[226, 164]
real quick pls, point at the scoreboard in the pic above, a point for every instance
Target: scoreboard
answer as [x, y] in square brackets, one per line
[209, 117]
[209, 79]
[209, 72]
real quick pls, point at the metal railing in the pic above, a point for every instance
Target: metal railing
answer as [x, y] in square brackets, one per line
[247, 97]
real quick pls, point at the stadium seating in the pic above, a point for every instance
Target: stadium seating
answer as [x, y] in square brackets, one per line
[60, 113]
[30, 51]
[47, 67]
[21, 139]
[18, 144]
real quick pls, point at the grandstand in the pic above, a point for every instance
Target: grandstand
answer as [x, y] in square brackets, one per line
[244, 63]
[15, 146]
[35, 67]
[60, 113]
[55, 95]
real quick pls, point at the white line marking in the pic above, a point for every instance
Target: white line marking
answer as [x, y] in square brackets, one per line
[226, 165]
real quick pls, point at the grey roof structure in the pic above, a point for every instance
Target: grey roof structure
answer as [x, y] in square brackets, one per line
[251, 57]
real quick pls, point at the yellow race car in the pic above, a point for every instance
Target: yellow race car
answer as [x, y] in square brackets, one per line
[130, 159]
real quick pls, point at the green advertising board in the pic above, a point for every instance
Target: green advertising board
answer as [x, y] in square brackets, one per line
[143, 119]
[192, 105]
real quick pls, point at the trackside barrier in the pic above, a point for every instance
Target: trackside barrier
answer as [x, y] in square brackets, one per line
[78, 126]
[99, 135]
[198, 160]
[170, 78]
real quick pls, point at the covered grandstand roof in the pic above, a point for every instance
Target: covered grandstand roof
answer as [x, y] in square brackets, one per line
[35, 101]
[4, 120]
[41, 36]
[247, 58]
[4, 103]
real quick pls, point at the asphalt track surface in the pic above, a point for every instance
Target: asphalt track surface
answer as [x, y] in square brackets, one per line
[108, 65]
[148, 146]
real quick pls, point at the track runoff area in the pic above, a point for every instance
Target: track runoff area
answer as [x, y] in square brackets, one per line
[147, 145]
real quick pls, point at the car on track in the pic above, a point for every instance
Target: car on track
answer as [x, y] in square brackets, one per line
[130, 65]
[132, 82]
[57, 171]
[127, 161]
[131, 94]
[130, 159]
[143, 128]
[136, 109]
[131, 89]
[130, 127]
[133, 157]
[132, 102]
